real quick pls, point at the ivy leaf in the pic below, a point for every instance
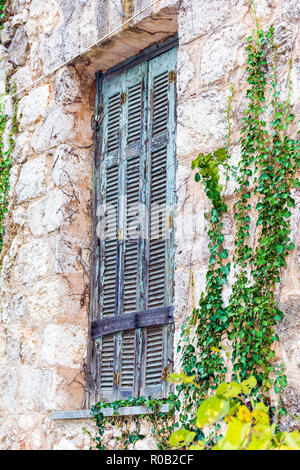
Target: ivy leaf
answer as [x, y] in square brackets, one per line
[200, 445]
[181, 378]
[211, 411]
[236, 433]
[248, 384]
[181, 438]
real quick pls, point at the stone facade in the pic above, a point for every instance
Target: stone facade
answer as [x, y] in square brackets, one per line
[45, 260]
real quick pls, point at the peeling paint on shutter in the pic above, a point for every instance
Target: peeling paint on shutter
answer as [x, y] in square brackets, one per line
[154, 359]
[131, 239]
[160, 103]
[135, 97]
[157, 254]
[110, 242]
[127, 363]
[107, 364]
[113, 122]
[161, 154]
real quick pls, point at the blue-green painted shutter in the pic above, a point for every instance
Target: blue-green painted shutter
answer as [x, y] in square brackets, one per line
[161, 157]
[137, 172]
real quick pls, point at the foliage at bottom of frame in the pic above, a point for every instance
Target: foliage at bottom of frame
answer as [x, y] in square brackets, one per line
[129, 427]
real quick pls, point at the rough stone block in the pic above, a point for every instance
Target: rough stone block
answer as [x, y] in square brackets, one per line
[46, 215]
[67, 86]
[8, 389]
[22, 344]
[222, 53]
[56, 128]
[70, 165]
[17, 51]
[31, 182]
[201, 123]
[64, 345]
[33, 261]
[36, 389]
[22, 149]
[33, 106]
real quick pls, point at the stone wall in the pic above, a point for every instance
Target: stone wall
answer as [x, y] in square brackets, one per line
[45, 271]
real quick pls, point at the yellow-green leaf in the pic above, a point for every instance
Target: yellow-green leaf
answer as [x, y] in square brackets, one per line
[181, 438]
[200, 445]
[181, 378]
[248, 384]
[211, 411]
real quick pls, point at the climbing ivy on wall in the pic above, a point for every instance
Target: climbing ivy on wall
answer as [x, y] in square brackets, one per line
[5, 156]
[244, 330]
[162, 424]
[5, 161]
[2, 11]
[266, 175]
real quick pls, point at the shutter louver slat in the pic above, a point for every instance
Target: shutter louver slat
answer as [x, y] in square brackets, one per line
[131, 242]
[127, 360]
[107, 363]
[113, 122]
[110, 243]
[156, 288]
[154, 360]
[134, 112]
[160, 103]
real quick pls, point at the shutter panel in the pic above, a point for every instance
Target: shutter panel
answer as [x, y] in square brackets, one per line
[161, 200]
[137, 170]
[135, 126]
[127, 363]
[135, 103]
[131, 239]
[113, 122]
[110, 252]
[110, 242]
[107, 366]
[154, 359]
[157, 249]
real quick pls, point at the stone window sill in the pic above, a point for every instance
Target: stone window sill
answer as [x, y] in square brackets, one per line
[123, 411]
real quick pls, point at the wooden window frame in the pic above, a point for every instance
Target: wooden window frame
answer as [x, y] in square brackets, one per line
[133, 320]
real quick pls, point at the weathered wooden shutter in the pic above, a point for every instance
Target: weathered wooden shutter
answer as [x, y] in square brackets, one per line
[137, 178]
[161, 151]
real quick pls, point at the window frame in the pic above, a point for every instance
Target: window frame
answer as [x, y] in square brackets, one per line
[97, 190]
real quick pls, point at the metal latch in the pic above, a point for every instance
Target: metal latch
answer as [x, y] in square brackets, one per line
[165, 373]
[172, 76]
[116, 378]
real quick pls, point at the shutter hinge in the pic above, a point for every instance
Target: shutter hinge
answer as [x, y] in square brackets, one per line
[165, 374]
[95, 123]
[116, 378]
[172, 76]
[123, 98]
[171, 221]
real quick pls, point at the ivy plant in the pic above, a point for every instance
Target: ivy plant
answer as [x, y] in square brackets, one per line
[248, 424]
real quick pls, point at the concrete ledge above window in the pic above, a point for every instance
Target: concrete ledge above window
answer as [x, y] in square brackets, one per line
[123, 411]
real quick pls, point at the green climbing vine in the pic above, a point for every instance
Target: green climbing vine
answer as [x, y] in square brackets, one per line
[5, 154]
[161, 423]
[242, 333]
[266, 175]
[2, 11]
